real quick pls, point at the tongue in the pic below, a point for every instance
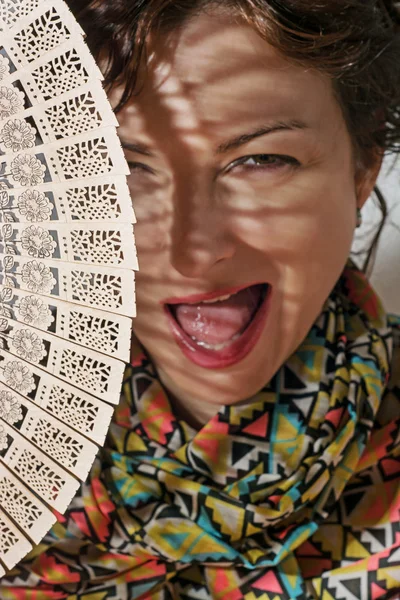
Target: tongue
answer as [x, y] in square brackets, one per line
[220, 321]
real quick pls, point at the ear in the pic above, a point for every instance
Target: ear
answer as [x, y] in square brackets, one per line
[366, 175]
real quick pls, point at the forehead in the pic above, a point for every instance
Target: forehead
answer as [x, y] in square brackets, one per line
[218, 73]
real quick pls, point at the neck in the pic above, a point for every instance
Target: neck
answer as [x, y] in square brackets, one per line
[185, 406]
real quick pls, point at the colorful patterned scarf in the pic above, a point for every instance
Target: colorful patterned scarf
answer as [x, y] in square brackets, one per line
[293, 495]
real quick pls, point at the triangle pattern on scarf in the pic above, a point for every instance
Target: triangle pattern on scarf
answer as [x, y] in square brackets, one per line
[351, 501]
[290, 382]
[231, 502]
[354, 586]
[268, 582]
[259, 427]
[239, 450]
[304, 405]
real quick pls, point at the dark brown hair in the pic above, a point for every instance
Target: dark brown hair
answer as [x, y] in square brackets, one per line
[355, 42]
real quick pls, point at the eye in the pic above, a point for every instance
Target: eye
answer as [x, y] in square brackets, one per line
[137, 167]
[267, 162]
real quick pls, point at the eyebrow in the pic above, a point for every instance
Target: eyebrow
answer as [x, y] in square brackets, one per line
[245, 138]
[234, 142]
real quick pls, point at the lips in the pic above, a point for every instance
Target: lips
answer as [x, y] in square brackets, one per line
[217, 334]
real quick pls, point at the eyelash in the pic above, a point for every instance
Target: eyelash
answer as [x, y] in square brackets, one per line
[278, 161]
[135, 165]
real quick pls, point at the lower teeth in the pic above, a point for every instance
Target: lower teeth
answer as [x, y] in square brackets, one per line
[216, 346]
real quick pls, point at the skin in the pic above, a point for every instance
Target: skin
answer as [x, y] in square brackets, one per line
[204, 224]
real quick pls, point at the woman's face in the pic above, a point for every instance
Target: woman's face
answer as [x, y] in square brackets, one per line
[241, 173]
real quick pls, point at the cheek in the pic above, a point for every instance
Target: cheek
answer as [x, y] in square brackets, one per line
[153, 218]
[294, 220]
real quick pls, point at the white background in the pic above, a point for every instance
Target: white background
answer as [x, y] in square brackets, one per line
[385, 276]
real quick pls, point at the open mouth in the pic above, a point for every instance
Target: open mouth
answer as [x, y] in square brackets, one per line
[218, 332]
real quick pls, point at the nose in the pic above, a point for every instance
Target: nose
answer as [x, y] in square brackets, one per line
[200, 236]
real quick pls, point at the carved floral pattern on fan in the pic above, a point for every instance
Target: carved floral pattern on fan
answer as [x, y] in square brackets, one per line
[28, 345]
[6, 295]
[4, 67]
[60, 445]
[11, 102]
[18, 135]
[51, 96]
[18, 505]
[27, 170]
[89, 158]
[44, 480]
[74, 116]
[34, 206]
[84, 202]
[8, 538]
[104, 291]
[61, 74]
[4, 201]
[10, 408]
[38, 277]
[3, 438]
[33, 311]
[19, 377]
[45, 33]
[11, 11]
[38, 242]
[102, 247]
[85, 371]
[80, 413]
[101, 333]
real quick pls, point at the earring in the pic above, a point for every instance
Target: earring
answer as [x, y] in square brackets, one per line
[359, 217]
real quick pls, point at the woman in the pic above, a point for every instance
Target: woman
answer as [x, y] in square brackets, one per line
[253, 454]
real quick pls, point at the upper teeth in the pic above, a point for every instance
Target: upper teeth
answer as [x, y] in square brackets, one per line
[217, 299]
